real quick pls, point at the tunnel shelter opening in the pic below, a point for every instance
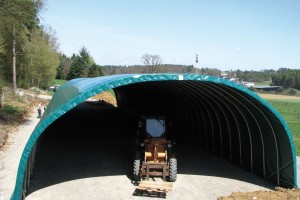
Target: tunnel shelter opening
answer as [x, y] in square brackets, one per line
[92, 144]
[219, 116]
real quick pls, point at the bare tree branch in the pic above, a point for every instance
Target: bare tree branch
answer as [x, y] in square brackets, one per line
[152, 62]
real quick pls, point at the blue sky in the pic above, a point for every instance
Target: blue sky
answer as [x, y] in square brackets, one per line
[226, 34]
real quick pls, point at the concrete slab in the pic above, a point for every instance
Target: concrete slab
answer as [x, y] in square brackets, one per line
[10, 155]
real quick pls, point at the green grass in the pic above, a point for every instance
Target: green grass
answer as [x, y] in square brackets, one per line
[290, 111]
[8, 109]
[10, 113]
[111, 91]
[58, 82]
[263, 83]
[51, 93]
[284, 101]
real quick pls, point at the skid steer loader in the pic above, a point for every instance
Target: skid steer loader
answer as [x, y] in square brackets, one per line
[153, 152]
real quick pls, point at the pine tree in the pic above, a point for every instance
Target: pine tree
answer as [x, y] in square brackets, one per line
[95, 71]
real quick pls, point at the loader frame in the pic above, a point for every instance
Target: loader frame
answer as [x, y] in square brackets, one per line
[154, 157]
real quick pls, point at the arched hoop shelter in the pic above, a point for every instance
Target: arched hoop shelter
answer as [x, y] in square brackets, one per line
[218, 115]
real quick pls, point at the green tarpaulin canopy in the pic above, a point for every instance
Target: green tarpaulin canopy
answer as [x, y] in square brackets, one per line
[223, 117]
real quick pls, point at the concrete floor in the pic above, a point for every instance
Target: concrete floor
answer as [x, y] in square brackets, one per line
[11, 153]
[86, 155]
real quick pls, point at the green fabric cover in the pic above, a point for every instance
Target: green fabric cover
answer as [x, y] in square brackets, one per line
[78, 90]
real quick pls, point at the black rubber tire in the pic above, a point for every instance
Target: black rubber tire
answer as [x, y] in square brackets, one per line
[137, 170]
[172, 169]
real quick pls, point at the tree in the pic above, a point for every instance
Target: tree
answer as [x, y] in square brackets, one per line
[152, 62]
[86, 60]
[276, 80]
[133, 69]
[76, 68]
[288, 78]
[18, 18]
[83, 65]
[63, 67]
[39, 61]
[289, 82]
[95, 71]
[190, 69]
[297, 81]
[86, 57]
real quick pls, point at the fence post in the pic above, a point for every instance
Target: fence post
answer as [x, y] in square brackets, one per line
[1, 99]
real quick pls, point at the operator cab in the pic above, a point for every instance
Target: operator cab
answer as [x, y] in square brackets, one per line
[155, 127]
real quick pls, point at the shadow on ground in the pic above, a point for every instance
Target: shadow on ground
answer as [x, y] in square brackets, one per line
[94, 140]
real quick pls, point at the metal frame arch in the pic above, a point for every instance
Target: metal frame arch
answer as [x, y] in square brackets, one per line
[224, 113]
[218, 120]
[187, 106]
[260, 132]
[232, 113]
[245, 107]
[209, 114]
[191, 102]
[180, 104]
[275, 139]
[195, 85]
[183, 104]
[246, 122]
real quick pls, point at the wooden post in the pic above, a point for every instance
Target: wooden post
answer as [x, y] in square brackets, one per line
[1, 100]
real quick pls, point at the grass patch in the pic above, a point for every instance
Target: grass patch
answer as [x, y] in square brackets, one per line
[58, 82]
[283, 101]
[267, 83]
[12, 113]
[111, 91]
[50, 93]
[290, 111]
[8, 109]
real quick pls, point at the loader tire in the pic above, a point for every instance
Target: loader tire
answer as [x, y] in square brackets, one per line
[172, 169]
[137, 170]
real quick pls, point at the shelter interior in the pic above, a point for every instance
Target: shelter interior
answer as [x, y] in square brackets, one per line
[216, 118]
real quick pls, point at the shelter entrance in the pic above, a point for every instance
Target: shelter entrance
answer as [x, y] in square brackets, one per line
[213, 114]
[91, 145]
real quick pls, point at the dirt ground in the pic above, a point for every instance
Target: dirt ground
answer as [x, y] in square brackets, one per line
[276, 96]
[9, 121]
[107, 97]
[277, 194]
